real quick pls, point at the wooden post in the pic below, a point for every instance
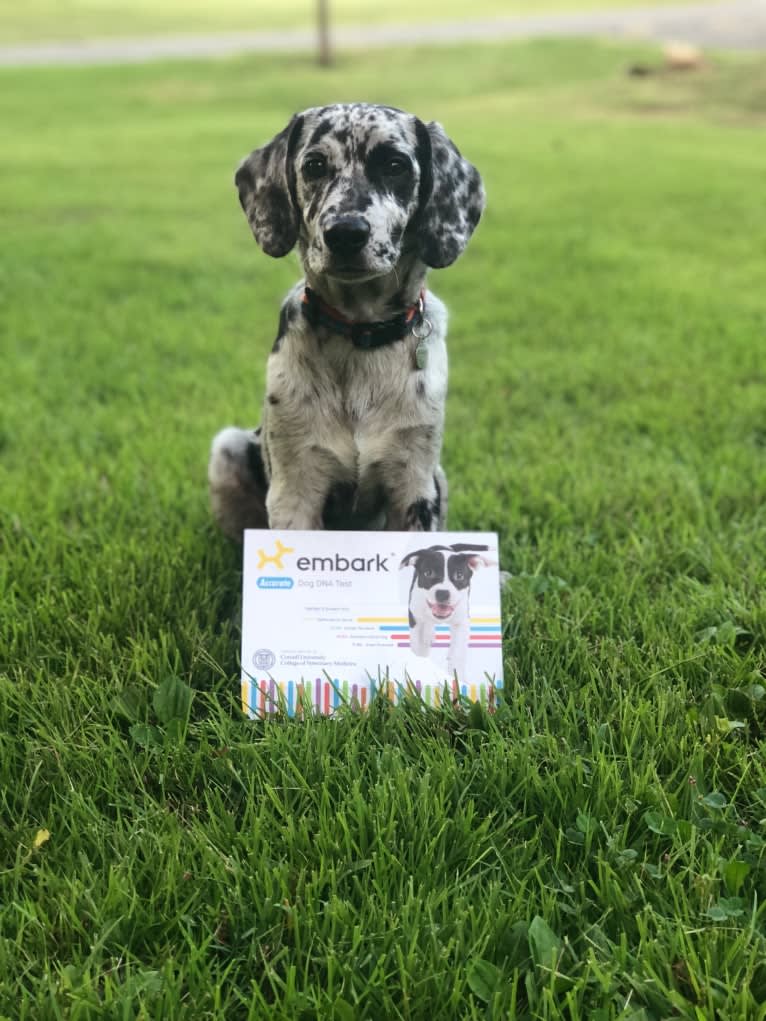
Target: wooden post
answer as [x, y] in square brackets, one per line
[323, 13]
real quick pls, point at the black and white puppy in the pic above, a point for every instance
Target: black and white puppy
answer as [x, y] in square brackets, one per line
[356, 381]
[439, 594]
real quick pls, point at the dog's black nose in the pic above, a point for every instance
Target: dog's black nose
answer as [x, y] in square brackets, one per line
[347, 236]
[442, 595]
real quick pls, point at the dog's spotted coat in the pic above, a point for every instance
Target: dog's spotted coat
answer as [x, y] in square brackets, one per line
[350, 437]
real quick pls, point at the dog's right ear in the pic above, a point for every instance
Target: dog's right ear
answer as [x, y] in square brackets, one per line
[266, 187]
[412, 558]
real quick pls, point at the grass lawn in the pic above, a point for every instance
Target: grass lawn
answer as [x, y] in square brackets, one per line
[83, 19]
[594, 850]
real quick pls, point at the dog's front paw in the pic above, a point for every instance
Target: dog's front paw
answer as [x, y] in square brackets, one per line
[291, 516]
[421, 516]
[428, 513]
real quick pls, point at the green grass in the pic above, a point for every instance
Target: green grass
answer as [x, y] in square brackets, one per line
[595, 850]
[83, 19]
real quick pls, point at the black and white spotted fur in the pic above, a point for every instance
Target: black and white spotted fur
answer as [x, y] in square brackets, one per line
[350, 438]
[439, 594]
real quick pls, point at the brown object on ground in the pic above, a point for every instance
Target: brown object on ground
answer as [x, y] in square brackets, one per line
[683, 57]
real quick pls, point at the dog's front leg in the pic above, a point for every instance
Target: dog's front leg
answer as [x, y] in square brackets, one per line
[421, 636]
[300, 485]
[400, 466]
[413, 480]
[458, 650]
[293, 503]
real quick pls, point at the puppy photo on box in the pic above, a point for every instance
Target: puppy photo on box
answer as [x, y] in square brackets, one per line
[439, 602]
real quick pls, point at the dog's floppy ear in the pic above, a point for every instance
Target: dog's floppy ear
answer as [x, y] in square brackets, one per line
[451, 197]
[266, 191]
[475, 561]
[481, 562]
[412, 558]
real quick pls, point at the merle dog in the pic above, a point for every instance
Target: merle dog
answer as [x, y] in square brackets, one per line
[356, 382]
[439, 594]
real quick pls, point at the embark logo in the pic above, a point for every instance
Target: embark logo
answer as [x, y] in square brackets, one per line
[273, 559]
[371, 565]
[335, 562]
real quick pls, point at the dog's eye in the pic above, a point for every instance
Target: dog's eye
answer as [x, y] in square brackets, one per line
[428, 573]
[315, 167]
[396, 165]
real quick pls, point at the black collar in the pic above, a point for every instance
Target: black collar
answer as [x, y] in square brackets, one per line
[363, 335]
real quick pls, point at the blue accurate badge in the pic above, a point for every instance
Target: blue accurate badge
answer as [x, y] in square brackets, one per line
[274, 582]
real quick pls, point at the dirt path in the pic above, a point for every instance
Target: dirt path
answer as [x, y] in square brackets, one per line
[734, 24]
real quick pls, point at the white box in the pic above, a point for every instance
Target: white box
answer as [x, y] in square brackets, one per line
[334, 618]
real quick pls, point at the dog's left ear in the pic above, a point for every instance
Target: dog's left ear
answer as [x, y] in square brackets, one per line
[451, 197]
[475, 561]
[265, 186]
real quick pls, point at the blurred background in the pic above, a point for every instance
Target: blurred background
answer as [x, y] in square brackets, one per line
[720, 22]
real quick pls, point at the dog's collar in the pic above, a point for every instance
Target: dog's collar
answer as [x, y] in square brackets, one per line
[364, 335]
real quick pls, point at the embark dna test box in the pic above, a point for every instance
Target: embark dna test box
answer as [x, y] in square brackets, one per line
[334, 618]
